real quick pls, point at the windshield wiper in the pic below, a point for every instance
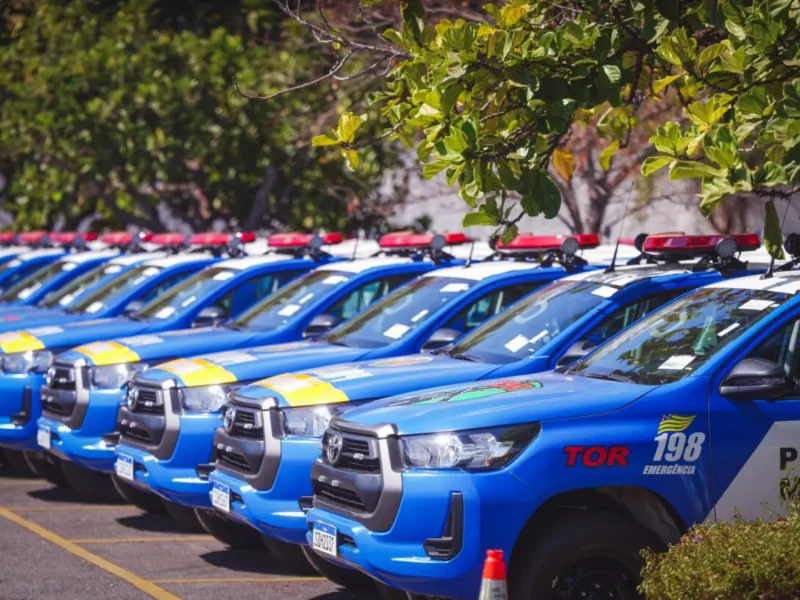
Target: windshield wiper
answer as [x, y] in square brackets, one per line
[609, 377]
[466, 357]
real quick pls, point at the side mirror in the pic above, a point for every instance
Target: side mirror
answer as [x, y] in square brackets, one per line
[441, 338]
[755, 378]
[132, 308]
[210, 316]
[319, 325]
[575, 352]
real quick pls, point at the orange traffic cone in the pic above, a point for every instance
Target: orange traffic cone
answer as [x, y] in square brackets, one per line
[493, 585]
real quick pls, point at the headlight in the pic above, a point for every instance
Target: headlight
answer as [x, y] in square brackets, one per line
[206, 398]
[115, 376]
[479, 450]
[36, 361]
[311, 420]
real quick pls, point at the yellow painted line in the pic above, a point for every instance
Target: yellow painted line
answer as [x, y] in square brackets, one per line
[148, 587]
[66, 508]
[242, 580]
[144, 540]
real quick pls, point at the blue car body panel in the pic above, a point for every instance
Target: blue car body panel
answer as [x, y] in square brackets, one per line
[27, 263]
[173, 476]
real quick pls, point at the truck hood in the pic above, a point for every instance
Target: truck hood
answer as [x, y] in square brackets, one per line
[56, 337]
[498, 402]
[250, 364]
[35, 320]
[367, 379]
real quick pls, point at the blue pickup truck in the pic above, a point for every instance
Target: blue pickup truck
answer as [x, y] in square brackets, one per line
[427, 313]
[690, 415]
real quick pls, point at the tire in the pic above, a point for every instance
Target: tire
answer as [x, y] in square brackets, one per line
[229, 532]
[148, 502]
[289, 555]
[47, 467]
[184, 516]
[347, 578]
[92, 484]
[16, 460]
[594, 551]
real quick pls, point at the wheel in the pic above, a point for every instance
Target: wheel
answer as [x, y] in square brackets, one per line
[184, 516]
[290, 556]
[347, 578]
[16, 460]
[92, 484]
[145, 500]
[589, 554]
[228, 532]
[46, 466]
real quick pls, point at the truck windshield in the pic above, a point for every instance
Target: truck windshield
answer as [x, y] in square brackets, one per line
[395, 316]
[291, 301]
[110, 292]
[679, 338]
[66, 296]
[527, 326]
[33, 282]
[185, 294]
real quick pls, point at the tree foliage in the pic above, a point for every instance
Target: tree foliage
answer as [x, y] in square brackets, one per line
[117, 108]
[490, 102]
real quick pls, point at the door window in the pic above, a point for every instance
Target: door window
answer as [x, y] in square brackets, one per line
[488, 306]
[361, 297]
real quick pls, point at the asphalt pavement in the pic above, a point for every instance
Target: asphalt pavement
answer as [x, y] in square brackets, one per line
[55, 545]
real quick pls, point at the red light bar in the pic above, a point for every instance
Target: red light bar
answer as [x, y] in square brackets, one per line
[168, 239]
[6, 237]
[666, 243]
[301, 240]
[32, 237]
[117, 238]
[70, 237]
[409, 239]
[220, 239]
[627, 242]
[528, 241]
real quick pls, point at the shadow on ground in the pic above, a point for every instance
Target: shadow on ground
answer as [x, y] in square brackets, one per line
[152, 522]
[65, 495]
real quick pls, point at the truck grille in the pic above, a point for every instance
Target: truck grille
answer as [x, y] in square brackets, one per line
[339, 496]
[137, 433]
[62, 378]
[244, 425]
[356, 455]
[233, 460]
[148, 402]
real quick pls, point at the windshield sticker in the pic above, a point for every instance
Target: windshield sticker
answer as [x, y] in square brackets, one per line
[454, 287]
[605, 291]
[289, 310]
[517, 344]
[401, 361]
[420, 315]
[66, 299]
[111, 269]
[141, 340]
[539, 336]
[28, 291]
[396, 331]
[188, 301]
[108, 353]
[677, 362]
[15, 263]
[306, 298]
[165, 312]
[472, 392]
[69, 266]
[94, 307]
[223, 276]
[334, 279]
[234, 357]
[728, 329]
[675, 448]
[757, 305]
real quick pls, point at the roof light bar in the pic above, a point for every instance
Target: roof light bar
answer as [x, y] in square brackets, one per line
[302, 240]
[409, 239]
[123, 238]
[72, 237]
[7, 237]
[724, 245]
[32, 237]
[221, 239]
[569, 244]
[168, 239]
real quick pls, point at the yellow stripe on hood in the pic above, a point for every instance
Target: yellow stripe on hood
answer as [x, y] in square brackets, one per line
[304, 390]
[108, 353]
[19, 341]
[198, 371]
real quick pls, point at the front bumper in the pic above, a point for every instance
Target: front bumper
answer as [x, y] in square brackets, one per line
[175, 477]
[278, 511]
[20, 407]
[493, 509]
[84, 444]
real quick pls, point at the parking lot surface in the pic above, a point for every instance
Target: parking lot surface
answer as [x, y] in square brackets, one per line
[55, 545]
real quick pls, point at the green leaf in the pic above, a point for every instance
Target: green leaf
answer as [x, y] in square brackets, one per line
[685, 169]
[509, 234]
[324, 140]
[432, 169]
[660, 84]
[448, 97]
[652, 164]
[611, 75]
[348, 125]
[773, 238]
[607, 154]
[478, 218]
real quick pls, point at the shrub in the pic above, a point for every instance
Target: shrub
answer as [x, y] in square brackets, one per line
[742, 559]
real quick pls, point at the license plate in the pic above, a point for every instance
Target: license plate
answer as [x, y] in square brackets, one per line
[324, 538]
[221, 497]
[43, 436]
[124, 466]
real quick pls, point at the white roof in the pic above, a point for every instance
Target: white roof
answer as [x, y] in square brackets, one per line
[178, 259]
[363, 264]
[132, 259]
[480, 271]
[39, 253]
[240, 264]
[82, 257]
[12, 250]
[786, 283]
